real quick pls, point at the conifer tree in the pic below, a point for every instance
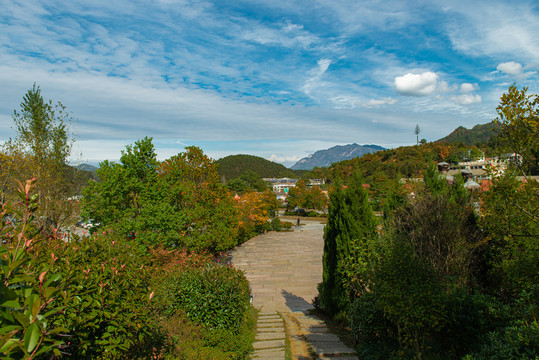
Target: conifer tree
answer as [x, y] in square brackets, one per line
[351, 224]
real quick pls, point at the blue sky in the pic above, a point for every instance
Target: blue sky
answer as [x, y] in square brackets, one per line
[277, 79]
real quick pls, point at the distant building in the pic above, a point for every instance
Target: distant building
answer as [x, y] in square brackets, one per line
[479, 167]
[281, 185]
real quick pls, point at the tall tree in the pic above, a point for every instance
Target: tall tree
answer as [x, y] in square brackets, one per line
[518, 114]
[417, 131]
[351, 225]
[44, 141]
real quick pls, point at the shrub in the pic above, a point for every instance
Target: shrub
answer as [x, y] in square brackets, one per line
[108, 288]
[188, 340]
[216, 296]
[373, 332]
[276, 224]
[287, 225]
[30, 299]
[519, 339]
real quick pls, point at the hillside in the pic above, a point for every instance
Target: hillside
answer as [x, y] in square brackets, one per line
[87, 167]
[479, 134]
[405, 161]
[324, 158]
[230, 167]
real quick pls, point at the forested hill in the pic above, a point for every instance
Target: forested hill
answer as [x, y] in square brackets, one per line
[479, 134]
[230, 167]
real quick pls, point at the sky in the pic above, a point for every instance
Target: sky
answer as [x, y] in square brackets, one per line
[279, 79]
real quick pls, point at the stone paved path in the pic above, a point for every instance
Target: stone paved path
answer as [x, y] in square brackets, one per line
[284, 269]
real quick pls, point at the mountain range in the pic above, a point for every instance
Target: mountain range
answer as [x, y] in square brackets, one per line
[324, 158]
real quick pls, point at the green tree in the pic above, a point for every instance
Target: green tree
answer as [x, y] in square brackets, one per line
[518, 114]
[177, 203]
[351, 226]
[306, 197]
[190, 183]
[511, 224]
[127, 193]
[44, 137]
[248, 181]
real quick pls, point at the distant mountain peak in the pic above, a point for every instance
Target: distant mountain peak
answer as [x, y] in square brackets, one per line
[479, 134]
[324, 158]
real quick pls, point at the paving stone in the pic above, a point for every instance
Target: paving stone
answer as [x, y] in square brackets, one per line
[269, 354]
[270, 335]
[269, 344]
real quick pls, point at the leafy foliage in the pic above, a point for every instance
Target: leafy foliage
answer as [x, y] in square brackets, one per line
[254, 210]
[518, 114]
[41, 150]
[306, 197]
[216, 296]
[29, 303]
[102, 297]
[176, 203]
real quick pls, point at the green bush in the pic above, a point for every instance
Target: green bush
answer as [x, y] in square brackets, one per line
[287, 225]
[373, 332]
[276, 224]
[519, 339]
[108, 287]
[216, 296]
[30, 298]
[187, 340]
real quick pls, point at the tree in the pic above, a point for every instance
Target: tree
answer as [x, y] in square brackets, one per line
[307, 197]
[178, 203]
[191, 184]
[518, 114]
[127, 194]
[254, 210]
[417, 131]
[42, 149]
[351, 226]
[248, 181]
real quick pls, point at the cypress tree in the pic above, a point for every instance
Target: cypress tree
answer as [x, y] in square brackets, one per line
[351, 223]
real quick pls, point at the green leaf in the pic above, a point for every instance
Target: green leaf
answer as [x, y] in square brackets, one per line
[53, 278]
[21, 318]
[50, 292]
[13, 304]
[8, 345]
[9, 328]
[31, 337]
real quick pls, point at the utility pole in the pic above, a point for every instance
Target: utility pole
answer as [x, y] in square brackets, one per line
[416, 132]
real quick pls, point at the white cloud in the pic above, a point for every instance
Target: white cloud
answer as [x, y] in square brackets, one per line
[385, 101]
[467, 99]
[467, 88]
[282, 159]
[416, 84]
[510, 68]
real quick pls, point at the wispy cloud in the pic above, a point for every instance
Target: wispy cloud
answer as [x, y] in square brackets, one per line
[279, 74]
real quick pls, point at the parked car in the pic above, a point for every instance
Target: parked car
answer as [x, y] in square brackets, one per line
[88, 224]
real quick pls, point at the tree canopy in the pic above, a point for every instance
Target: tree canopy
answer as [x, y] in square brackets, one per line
[178, 202]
